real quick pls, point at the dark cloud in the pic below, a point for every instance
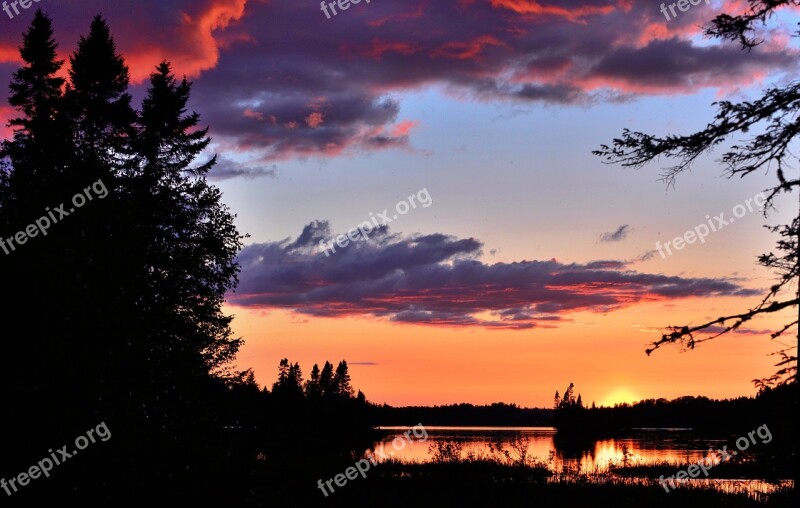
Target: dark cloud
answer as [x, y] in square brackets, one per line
[715, 329]
[437, 279]
[647, 256]
[616, 236]
[350, 70]
[227, 168]
[277, 80]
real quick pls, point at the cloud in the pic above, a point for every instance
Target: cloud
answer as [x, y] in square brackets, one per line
[192, 34]
[227, 168]
[715, 329]
[438, 280]
[514, 51]
[272, 92]
[647, 256]
[617, 236]
[314, 119]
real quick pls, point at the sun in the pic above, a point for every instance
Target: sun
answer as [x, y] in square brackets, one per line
[619, 396]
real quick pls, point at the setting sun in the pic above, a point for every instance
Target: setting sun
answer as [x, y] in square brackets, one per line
[619, 396]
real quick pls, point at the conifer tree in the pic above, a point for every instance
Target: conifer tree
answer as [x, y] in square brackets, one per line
[38, 143]
[99, 101]
[326, 379]
[121, 300]
[313, 389]
[341, 380]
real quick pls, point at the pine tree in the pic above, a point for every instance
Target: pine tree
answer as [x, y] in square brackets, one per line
[38, 147]
[313, 388]
[569, 397]
[99, 100]
[186, 227]
[326, 379]
[102, 254]
[283, 374]
[133, 285]
[33, 279]
[295, 378]
[341, 380]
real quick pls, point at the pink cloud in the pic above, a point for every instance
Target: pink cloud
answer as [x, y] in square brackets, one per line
[314, 120]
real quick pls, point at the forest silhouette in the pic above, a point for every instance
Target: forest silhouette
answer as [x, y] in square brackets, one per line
[116, 312]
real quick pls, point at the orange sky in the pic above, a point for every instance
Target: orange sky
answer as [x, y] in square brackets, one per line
[602, 354]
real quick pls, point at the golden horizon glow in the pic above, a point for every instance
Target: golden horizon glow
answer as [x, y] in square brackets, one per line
[619, 396]
[602, 354]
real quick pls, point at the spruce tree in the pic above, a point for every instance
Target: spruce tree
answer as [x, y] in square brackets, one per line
[313, 391]
[326, 380]
[38, 144]
[32, 367]
[99, 99]
[191, 238]
[341, 380]
[121, 301]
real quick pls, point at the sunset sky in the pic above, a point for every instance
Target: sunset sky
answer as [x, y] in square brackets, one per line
[533, 265]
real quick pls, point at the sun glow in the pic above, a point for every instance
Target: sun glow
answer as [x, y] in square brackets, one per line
[619, 396]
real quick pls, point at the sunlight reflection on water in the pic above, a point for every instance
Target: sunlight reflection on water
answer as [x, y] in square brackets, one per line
[644, 446]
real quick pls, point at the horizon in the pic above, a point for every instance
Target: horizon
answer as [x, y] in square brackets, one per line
[587, 402]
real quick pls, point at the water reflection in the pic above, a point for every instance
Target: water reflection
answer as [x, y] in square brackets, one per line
[644, 446]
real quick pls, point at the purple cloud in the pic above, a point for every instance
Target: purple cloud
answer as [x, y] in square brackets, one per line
[437, 279]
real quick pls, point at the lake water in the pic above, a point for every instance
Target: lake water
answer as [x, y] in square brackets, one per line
[642, 446]
[674, 445]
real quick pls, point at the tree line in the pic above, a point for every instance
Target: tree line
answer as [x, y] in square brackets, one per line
[116, 314]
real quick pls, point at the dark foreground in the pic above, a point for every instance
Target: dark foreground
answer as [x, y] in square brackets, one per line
[489, 484]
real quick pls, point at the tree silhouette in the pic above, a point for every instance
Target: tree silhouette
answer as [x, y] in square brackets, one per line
[121, 300]
[569, 396]
[283, 373]
[313, 386]
[326, 379]
[289, 385]
[569, 401]
[98, 100]
[341, 381]
[775, 113]
[295, 379]
[192, 239]
[36, 94]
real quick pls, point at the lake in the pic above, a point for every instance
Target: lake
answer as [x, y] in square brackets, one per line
[642, 446]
